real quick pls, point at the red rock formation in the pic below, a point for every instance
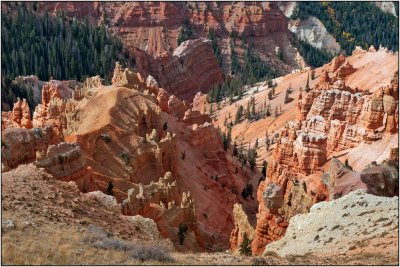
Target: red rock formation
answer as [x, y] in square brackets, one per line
[64, 162]
[21, 146]
[50, 90]
[193, 116]
[127, 78]
[162, 98]
[176, 107]
[344, 70]
[337, 62]
[150, 31]
[153, 26]
[19, 117]
[304, 104]
[191, 68]
[126, 139]
[380, 180]
[391, 105]
[242, 226]
[331, 117]
[358, 51]
[324, 81]
[297, 154]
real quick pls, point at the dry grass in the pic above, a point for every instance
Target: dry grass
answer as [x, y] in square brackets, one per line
[53, 246]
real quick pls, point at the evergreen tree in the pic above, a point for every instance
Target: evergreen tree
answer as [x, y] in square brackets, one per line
[251, 157]
[182, 232]
[270, 95]
[307, 89]
[245, 246]
[235, 149]
[229, 135]
[264, 168]
[185, 33]
[56, 46]
[239, 114]
[214, 43]
[110, 188]
[286, 100]
[248, 114]
[353, 24]
[253, 107]
[268, 112]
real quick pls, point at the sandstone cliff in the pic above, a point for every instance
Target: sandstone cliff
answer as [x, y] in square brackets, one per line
[154, 27]
[190, 69]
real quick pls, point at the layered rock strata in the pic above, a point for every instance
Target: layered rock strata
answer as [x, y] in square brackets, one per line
[190, 69]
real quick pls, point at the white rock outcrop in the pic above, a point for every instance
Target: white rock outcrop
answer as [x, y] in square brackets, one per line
[313, 31]
[339, 226]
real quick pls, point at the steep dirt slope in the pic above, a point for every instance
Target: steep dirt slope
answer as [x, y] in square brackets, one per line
[382, 65]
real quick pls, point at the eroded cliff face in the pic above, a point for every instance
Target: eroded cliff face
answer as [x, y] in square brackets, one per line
[153, 27]
[330, 118]
[190, 69]
[151, 30]
[132, 133]
[348, 116]
[120, 139]
[19, 117]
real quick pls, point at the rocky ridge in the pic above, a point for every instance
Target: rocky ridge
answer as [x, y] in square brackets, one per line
[353, 223]
[118, 135]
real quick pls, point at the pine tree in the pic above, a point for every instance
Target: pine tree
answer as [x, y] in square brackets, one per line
[253, 107]
[268, 113]
[182, 232]
[286, 100]
[312, 74]
[239, 114]
[251, 157]
[270, 95]
[307, 89]
[245, 248]
[224, 141]
[229, 135]
[269, 83]
[185, 33]
[264, 168]
[248, 114]
[235, 149]
[110, 188]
